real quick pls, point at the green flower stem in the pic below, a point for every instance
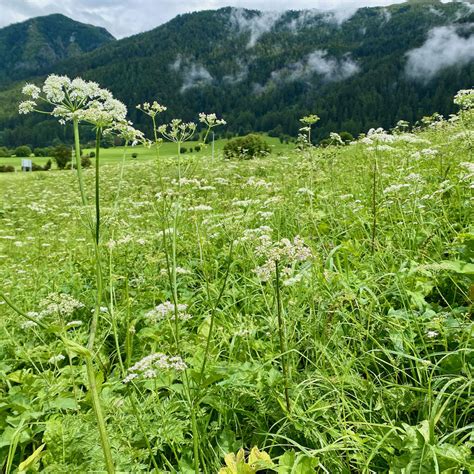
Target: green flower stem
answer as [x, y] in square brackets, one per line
[142, 427]
[281, 334]
[99, 415]
[374, 204]
[212, 318]
[97, 184]
[77, 148]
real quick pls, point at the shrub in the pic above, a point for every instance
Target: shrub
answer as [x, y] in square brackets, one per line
[134, 155]
[86, 161]
[246, 148]
[92, 154]
[5, 152]
[46, 167]
[62, 155]
[40, 152]
[197, 148]
[23, 151]
[347, 137]
[184, 149]
[7, 168]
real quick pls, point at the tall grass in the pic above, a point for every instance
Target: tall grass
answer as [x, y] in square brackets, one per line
[355, 359]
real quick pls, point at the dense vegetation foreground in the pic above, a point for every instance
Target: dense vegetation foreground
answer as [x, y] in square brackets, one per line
[315, 305]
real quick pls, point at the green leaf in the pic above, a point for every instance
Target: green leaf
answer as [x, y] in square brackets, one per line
[31, 460]
[292, 463]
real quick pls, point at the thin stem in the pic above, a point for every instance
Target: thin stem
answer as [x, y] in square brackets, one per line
[97, 184]
[195, 438]
[95, 318]
[213, 313]
[179, 163]
[142, 428]
[374, 204]
[281, 333]
[77, 148]
[99, 415]
[174, 283]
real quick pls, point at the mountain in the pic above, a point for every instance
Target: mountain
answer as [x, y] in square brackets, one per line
[263, 71]
[35, 46]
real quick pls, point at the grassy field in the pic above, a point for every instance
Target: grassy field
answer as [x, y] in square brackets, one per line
[318, 306]
[114, 155]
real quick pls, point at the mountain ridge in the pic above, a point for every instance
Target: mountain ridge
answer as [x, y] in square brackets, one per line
[34, 46]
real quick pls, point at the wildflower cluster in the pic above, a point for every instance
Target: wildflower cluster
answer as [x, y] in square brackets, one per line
[150, 366]
[336, 139]
[168, 310]
[465, 99]
[74, 99]
[287, 253]
[59, 303]
[376, 135]
[56, 359]
[126, 132]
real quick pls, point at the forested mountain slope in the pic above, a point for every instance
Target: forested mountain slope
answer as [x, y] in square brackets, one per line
[263, 71]
[37, 45]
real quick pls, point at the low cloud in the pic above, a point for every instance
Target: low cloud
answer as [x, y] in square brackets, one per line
[256, 24]
[127, 17]
[445, 47]
[320, 63]
[309, 17]
[192, 74]
[239, 75]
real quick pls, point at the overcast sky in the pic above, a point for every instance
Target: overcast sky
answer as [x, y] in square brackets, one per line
[127, 17]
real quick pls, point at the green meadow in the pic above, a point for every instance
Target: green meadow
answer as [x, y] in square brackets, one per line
[305, 311]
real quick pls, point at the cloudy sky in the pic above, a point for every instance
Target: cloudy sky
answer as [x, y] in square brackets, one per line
[127, 17]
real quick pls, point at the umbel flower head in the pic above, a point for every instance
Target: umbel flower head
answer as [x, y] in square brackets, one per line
[211, 120]
[177, 130]
[150, 366]
[152, 109]
[69, 99]
[465, 99]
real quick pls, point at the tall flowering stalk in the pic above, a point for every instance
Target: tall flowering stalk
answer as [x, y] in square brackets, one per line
[178, 132]
[153, 110]
[210, 121]
[79, 101]
[378, 139]
[464, 99]
[304, 136]
[282, 259]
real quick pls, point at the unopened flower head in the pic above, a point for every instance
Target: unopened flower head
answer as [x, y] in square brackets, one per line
[177, 130]
[309, 119]
[211, 120]
[151, 109]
